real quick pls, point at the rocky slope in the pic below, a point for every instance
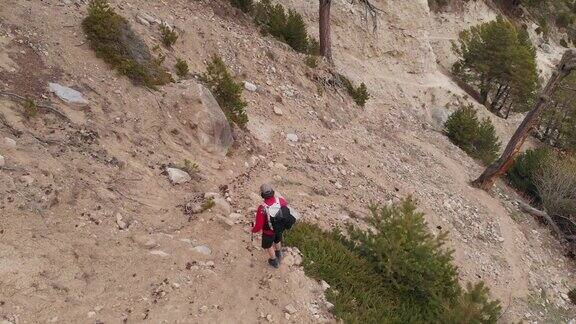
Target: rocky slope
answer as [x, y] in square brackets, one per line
[93, 230]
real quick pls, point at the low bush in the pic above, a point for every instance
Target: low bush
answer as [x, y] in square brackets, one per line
[111, 37]
[169, 36]
[556, 185]
[30, 108]
[359, 94]
[311, 61]
[564, 19]
[227, 92]
[437, 5]
[476, 138]
[190, 167]
[244, 5]
[522, 174]
[397, 272]
[181, 67]
[289, 28]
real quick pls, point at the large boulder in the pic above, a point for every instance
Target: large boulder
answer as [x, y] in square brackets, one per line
[195, 106]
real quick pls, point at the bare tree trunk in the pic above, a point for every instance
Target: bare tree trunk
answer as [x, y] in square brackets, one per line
[499, 94]
[325, 34]
[500, 166]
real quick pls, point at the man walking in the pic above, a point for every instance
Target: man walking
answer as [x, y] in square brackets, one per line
[266, 214]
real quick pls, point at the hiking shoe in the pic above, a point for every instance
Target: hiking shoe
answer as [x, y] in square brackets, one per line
[274, 263]
[278, 255]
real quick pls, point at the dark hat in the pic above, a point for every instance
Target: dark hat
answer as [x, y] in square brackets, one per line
[266, 190]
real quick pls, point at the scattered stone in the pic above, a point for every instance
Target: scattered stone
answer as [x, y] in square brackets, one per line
[143, 21]
[292, 137]
[235, 216]
[145, 241]
[226, 222]
[250, 86]
[10, 142]
[178, 176]
[149, 19]
[122, 225]
[290, 309]
[2, 161]
[325, 285]
[27, 180]
[202, 249]
[222, 206]
[159, 253]
[278, 111]
[67, 94]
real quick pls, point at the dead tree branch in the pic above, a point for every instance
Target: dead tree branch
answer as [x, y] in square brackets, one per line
[538, 213]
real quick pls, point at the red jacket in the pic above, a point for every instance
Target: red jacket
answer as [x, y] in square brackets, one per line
[261, 223]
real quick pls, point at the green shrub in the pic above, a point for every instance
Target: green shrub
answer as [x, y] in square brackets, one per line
[169, 36]
[244, 5]
[190, 167]
[111, 37]
[522, 174]
[476, 138]
[227, 92]
[564, 19]
[30, 108]
[359, 94]
[181, 67]
[311, 61]
[289, 28]
[395, 273]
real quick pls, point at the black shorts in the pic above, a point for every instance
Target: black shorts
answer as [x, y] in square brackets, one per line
[267, 240]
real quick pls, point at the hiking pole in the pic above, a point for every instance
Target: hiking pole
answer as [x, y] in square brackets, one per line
[252, 247]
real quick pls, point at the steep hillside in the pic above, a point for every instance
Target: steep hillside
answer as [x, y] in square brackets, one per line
[68, 175]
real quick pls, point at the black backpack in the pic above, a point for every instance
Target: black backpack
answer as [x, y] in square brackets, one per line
[281, 219]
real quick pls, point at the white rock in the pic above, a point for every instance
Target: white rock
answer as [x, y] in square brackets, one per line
[278, 111]
[149, 18]
[145, 241]
[269, 318]
[67, 94]
[290, 309]
[91, 314]
[159, 253]
[10, 142]
[325, 285]
[250, 86]
[292, 137]
[121, 223]
[222, 206]
[338, 185]
[226, 222]
[329, 305]
[178, 176]
[143, 21]
[2, 161]
[202, 249]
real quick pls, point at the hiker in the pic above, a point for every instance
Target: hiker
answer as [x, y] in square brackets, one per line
[267, 221]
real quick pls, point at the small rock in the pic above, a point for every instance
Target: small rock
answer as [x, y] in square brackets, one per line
[546, 48]
[10, 142]
[292, 137]
[159, 253]
[67, 94]
[325, 285]
[121, 223]
[26, 180]
[338, 185]
[227, 223]
[203, 309]
[290, 309]
[235, 216]
[178, 176]
[149, 18]
[250, 86]
[2, 161]
[143, 21]
[91, 314]
[202, 249]
[222, 206]
[145, 241]
[329, 305]
[278, 111]
[269, 318]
